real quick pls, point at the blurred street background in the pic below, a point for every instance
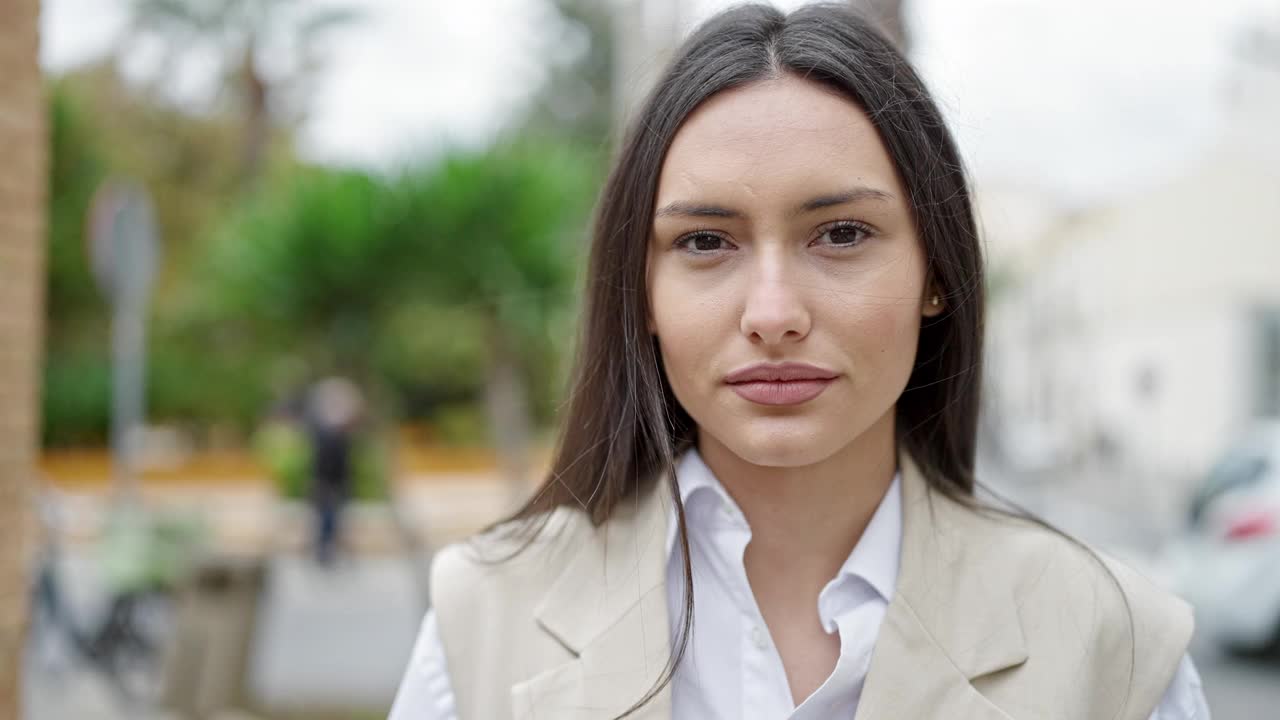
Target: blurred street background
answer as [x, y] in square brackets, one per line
[308, 274]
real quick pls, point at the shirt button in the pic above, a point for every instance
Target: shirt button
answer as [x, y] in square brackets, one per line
[760, 638]
[733, 516]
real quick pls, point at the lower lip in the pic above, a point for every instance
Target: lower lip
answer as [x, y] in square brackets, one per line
[790, 392]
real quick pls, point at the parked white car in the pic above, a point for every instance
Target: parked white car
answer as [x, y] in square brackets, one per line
[1227, 560]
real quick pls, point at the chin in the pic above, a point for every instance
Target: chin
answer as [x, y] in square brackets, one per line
[776, 442]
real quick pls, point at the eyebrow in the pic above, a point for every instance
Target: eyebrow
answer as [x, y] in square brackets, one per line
[701, 210]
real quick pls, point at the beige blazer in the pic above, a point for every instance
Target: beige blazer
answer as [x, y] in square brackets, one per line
[992, 619]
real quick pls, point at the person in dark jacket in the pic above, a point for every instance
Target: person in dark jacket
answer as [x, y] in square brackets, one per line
[334, 409]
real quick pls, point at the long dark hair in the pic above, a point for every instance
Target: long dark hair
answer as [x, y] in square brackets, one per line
[623, 426]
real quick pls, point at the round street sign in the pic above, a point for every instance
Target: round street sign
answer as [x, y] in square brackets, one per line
[123, 248]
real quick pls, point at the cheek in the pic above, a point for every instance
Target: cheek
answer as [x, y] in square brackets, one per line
[887, 338]
[879, 324]
[690, 323]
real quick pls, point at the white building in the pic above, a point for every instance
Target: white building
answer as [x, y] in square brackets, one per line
[1147, 334]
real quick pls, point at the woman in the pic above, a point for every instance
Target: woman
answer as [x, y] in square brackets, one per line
[774, 414]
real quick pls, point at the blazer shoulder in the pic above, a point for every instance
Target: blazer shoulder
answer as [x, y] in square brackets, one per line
[1041, 558]
[485, 591]
[524, 554]
[1080, 604]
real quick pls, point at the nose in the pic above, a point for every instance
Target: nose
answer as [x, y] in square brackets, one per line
[775, 311]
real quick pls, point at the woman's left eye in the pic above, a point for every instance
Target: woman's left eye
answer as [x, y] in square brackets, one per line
[845, 234]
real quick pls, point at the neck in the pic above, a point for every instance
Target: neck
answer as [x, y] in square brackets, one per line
[805, 520]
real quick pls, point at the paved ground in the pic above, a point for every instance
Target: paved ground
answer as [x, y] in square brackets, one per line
[1238, 689]
[331, 638]
[337, 638]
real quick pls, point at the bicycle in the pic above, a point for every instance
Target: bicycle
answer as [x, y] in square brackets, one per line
[127, 645]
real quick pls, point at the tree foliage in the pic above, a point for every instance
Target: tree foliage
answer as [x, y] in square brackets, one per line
[413, 282]
[100, 127]
[237, 35]
[404, 281]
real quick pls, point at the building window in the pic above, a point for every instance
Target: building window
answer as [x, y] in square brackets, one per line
[1269, 362]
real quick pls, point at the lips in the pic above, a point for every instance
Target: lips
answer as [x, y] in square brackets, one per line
[779, 372]
[780, 384]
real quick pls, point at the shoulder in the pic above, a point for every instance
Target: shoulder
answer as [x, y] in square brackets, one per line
[486, 592]
[521, 554]
[1040, 561]
[526, 556]
[1082, 610]
[496, 581]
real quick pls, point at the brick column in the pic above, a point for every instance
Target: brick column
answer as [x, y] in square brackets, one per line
[23, 187]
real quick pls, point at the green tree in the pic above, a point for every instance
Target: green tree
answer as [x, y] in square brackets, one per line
[98, 127]
[76, 374]
[77, 165]
[186, 159]
[236, 33]
[506, 230]
[455, 278]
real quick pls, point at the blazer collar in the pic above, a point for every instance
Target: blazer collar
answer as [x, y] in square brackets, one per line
[609, 608]
[954, 617]
[952, 558]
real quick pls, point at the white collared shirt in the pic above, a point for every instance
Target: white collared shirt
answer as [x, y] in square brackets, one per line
[728, 625]
[731, 668]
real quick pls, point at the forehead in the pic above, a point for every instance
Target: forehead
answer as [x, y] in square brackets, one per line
[774, 140]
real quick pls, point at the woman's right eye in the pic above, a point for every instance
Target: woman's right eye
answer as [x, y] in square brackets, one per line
[702, 243]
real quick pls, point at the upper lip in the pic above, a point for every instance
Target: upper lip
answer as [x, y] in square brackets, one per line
[779, 372]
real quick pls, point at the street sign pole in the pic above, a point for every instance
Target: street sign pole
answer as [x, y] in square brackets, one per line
[124, 249]
[128, 339]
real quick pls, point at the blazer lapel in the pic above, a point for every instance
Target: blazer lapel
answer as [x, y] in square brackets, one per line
[953, 616]
[609, 608]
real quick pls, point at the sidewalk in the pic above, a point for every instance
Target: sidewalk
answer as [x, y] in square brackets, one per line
[250, 518]
[335, 640]
[329, 643]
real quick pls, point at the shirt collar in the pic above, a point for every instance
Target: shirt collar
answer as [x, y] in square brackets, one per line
[701, 494]
[874, 559]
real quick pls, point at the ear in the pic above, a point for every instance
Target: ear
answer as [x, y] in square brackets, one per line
[934, 303]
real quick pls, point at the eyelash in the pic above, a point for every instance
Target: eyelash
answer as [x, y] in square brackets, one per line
[681, 242]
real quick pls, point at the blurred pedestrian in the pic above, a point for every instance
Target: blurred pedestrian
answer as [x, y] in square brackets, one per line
[334, 409]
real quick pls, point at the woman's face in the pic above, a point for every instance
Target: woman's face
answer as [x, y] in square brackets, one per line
[782, 235]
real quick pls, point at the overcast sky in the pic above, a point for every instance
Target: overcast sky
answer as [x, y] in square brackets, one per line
[1077, 99]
